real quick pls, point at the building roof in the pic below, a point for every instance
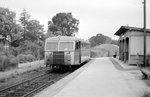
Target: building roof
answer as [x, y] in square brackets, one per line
[123, 29]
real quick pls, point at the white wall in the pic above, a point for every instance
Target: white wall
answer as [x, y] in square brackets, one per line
[137, 45]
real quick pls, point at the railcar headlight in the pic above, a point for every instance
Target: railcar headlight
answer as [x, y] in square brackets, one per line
[68, 56]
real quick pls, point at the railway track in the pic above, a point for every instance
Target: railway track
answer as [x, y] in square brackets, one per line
[20, 77]
[31, 86]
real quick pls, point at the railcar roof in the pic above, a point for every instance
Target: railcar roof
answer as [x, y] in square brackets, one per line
[65, 38]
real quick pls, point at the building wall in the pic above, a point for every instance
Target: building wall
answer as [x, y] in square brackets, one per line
[136, 46]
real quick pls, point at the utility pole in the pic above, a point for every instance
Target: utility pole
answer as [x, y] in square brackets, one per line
[24, 26]
[144, 34]
[39, 49]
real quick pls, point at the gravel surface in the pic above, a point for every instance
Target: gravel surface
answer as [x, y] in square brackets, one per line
[15, 78]
[23, 72]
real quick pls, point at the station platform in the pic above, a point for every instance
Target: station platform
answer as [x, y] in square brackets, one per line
[98, 78]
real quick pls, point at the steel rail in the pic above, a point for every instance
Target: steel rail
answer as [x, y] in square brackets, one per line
[38, 89]
[20, 83]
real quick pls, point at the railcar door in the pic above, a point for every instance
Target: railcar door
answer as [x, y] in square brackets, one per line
[77, 53]
[80, 53]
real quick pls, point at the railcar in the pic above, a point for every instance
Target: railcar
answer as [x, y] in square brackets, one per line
[65, 52]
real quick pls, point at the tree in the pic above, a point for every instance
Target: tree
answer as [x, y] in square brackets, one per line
[65, 23]
[108, 40]
[115, 42]
[92, 41]
[35, 30]
[7, 23]
[24, 19]
[97, 40]
[101, 39]
[16, 36]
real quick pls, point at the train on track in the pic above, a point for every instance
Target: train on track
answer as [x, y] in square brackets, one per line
[65, 52]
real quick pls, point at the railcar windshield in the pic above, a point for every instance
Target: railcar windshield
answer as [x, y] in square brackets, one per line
[52, 46]
[66, 46]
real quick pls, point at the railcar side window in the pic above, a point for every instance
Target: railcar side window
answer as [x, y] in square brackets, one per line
[66, 46]
[77, 45]
[52, 46]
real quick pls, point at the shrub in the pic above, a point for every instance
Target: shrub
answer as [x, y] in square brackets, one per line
[10, 57]
[30, 58]
[28, 47]
[93, 54]
[14, 51]
[4, 62]
[13, 62]
[42, 53]
[21, 58]
[2, 49]
[7, 62]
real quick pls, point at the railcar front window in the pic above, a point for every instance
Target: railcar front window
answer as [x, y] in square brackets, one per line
[66, 46]
[52, 46]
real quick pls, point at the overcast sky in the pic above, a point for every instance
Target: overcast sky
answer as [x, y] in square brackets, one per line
[95, 16]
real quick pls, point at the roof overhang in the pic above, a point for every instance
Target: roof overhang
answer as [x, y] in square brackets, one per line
[124, 29]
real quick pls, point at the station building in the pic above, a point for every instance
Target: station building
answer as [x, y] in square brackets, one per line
[131, 44]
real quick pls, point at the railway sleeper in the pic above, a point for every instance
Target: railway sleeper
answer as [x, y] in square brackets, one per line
[19, 94]
[46, 81]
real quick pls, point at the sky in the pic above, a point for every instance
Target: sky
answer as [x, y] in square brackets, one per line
[95, 16]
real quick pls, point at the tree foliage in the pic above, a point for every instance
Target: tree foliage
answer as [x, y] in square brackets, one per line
[33, 40]
[34, 30]
[97, 40]
[101, 39]
[16, 34]
[24, 19]
[115, 42]
[64, 23]
[7, 22]
[31, 29]
[11, 32]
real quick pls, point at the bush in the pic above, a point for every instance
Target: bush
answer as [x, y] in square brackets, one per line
[30, 58]
[10, 57]
[28, 47]
[14, 51]
[2, 49]
[42, 53]
[93, 54]
[8, 62]
[23, 58]
[13, 62]
[4, 62]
